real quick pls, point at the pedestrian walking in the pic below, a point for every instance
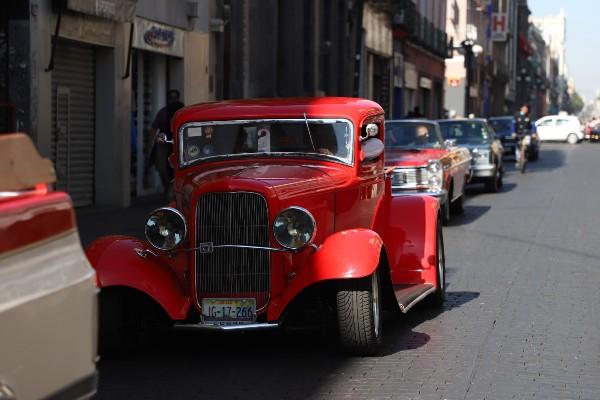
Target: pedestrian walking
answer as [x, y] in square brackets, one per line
[161, 149]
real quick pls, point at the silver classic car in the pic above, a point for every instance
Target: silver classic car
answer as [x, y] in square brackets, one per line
[486, 150]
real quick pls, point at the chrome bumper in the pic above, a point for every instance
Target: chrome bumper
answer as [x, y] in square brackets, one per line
[246, 327]
[441, 195]
[483, 171]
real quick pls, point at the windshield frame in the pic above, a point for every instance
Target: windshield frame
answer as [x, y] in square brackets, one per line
[434, 127]
[487, 141]
[183, 163]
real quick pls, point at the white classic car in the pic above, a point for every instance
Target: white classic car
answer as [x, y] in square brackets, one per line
[48, 291]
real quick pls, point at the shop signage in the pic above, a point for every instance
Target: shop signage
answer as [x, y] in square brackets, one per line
[160, 38]
[425, 83]
[499, 27]
[453, 82]
[115, 10]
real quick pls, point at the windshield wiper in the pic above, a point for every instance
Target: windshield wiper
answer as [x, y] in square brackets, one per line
[309, 135]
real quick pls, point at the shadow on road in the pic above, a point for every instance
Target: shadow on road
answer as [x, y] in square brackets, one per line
[470, 214]
[550, 159]
[252, 365]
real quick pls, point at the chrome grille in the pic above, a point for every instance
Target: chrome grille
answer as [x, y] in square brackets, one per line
[228, 219]
[409, 178]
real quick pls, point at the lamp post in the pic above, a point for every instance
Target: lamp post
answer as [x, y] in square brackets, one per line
[471, 50]
[467, 46]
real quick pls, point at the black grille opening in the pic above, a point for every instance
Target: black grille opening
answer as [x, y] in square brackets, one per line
[238, 218]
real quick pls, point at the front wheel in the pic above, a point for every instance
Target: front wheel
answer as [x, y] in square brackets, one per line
[572, 138]
[438, 297]
[359, 315]
[493, 184]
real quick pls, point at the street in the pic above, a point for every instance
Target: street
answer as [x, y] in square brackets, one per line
[521, 319]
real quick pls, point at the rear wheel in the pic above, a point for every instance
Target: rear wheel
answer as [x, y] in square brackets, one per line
[359, 315]
[572, 138]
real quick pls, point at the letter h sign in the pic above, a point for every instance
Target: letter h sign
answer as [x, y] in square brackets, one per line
[499, 27]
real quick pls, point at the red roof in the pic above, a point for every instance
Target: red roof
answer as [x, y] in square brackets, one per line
[314, 107]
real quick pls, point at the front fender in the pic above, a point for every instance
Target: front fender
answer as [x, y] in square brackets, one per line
[118, 264]
[349, 254]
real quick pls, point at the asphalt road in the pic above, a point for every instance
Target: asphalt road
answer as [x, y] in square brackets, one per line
[521, 321]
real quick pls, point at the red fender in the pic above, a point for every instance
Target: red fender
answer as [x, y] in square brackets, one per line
[408, 227]
[118, 264]
[353, 253]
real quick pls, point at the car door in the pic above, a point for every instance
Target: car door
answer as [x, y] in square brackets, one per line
[546, 128]
[563, 128]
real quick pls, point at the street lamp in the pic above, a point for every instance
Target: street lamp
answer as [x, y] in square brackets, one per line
[470, 49]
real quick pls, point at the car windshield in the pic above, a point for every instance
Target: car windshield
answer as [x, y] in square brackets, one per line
[502, 126]
[466, 132]
[328, 139]
[416, 135]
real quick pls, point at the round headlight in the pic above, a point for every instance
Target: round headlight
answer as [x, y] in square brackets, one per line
[165, 228]
[434, 167]
[294, 228]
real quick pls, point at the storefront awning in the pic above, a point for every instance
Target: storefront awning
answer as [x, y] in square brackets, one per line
[115, 10]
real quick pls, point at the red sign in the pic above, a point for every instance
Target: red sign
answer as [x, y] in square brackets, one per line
[499, 27]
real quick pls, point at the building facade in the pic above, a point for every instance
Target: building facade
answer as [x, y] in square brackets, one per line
[85, 79]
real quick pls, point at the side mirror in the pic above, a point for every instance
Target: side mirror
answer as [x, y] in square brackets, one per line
[450, 142]
[371, 148]
[162, 138]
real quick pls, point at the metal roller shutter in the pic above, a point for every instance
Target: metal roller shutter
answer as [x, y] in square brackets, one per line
[73, 121]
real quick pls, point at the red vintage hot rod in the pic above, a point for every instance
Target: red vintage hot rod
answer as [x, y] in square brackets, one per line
[283, 213]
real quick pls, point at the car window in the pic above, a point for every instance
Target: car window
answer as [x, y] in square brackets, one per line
[503, 126]
[546, 122]
[402, 134]
[323, 138]
[562, 122]
[467, 132]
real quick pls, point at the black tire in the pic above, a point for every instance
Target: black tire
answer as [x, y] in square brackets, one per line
[492, 184]
[446, 211]
[114, 336]
[359, 315]
[458, 205]
[438, 297]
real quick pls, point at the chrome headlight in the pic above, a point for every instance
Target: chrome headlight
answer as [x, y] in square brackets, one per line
[436, 175]
[294, 228]
[165, 228]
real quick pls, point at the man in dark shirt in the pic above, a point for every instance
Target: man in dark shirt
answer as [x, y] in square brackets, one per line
[522, 126]
[162, 150]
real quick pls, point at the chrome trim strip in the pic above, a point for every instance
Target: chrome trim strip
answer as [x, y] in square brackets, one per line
[405, 309]
[241, 246]
[183, 164]
[255, 326]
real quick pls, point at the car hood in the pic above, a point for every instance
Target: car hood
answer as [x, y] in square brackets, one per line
[282, 180]
[471, 147]
[412, 158]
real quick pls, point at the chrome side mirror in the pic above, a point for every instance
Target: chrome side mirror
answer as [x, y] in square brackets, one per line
[162, 138]
[450, 142]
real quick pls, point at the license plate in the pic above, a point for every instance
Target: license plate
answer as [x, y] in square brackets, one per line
[228, 311]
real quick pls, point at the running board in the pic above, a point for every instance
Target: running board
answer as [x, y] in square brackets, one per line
[409, 295]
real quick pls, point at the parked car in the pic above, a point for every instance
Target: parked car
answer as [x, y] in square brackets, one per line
[48, 309]
[422, 163]
[559, 128]
[283, 214]
[503, 128]
[486, 149]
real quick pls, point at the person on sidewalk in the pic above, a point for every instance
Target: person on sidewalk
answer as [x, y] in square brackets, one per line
[159, 154]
